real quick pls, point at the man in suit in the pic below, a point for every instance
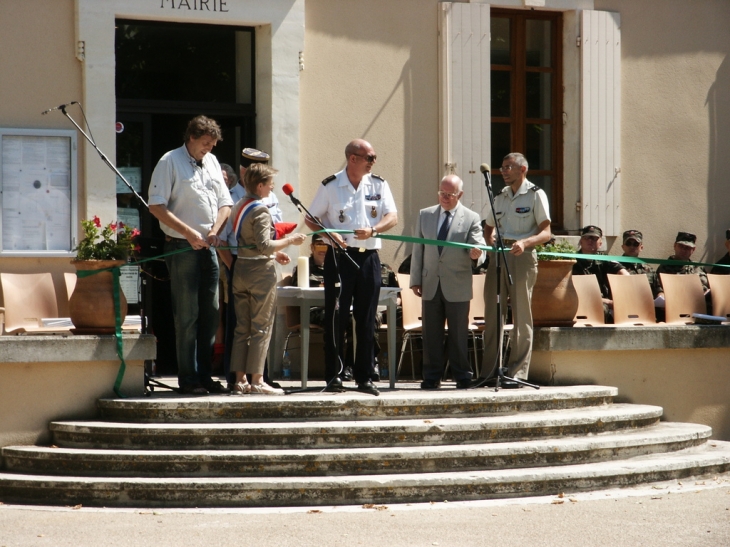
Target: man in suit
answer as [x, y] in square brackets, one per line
[442, 277]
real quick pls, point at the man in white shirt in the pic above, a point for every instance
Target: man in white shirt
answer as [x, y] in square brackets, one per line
[353, 199]
[190, 199]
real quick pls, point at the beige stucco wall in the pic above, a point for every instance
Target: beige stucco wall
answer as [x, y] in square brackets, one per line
[675, 88]
[378, 80]
[689, 384]
[38, 71]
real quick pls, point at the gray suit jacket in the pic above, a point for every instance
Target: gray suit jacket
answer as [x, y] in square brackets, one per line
[453, 267]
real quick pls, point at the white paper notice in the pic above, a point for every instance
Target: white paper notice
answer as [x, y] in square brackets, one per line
[36, 187]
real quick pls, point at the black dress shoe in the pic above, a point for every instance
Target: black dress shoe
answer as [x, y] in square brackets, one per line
[431, 384]
[216, 387]
[334, 386]
[347, 374]
[368, 387]
[465, 383]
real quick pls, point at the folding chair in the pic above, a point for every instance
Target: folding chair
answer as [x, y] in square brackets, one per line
[29, 298]
[683, 295]
[590, 302]
[720, 286]
[633, 303]
[412, 325]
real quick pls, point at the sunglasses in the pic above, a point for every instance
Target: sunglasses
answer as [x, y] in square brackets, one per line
[632, 243]
[370, 158]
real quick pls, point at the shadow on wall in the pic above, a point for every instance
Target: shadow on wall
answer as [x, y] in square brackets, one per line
[718, 103]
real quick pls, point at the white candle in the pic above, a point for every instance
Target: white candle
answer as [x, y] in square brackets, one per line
[303, 272]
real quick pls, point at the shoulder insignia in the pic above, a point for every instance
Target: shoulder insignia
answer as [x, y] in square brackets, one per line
[329, 179]
[535, 188]
[377, 176]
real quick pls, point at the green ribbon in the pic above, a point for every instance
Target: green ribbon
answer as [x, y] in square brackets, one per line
[405, 239]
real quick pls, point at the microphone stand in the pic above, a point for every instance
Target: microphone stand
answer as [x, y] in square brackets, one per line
[336, 245]
[149, 382]
[502, 337]
[62, 108]
[338, 250]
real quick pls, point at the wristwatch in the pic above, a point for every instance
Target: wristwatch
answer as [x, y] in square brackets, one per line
[375, 232]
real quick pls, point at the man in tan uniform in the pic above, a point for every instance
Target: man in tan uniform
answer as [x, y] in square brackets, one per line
[523, 215]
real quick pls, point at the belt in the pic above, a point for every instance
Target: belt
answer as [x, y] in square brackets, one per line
[360, 250]
[508, 241]
[170, 238]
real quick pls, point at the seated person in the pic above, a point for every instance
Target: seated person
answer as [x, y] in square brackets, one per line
[684, 245]
[719, 270]
[590, 241]
[632, 246]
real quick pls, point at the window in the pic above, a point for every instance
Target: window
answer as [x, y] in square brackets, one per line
[526, 97]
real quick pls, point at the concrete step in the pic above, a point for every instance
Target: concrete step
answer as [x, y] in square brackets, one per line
[319, 406]
[712, 457]
[354, 433]
[663, 437]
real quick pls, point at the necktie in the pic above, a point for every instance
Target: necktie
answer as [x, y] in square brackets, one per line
[444, 230]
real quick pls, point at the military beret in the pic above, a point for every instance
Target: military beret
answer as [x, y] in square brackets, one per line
[685, 238]
[591, 231]
[255, 155]
[633, 234]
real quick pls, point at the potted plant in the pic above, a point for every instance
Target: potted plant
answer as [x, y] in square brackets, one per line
[91, 306]
[554, 299]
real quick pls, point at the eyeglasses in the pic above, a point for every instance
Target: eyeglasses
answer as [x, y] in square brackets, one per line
[632, 243]
[508, 168]
[447, 195]
[370, 158]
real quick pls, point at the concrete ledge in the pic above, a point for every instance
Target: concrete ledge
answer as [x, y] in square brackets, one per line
[55, 348]
[683, 369]
[46, 378]
[661, 337]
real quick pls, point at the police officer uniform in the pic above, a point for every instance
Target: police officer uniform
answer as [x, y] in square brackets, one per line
[340, 206]
[519, 216]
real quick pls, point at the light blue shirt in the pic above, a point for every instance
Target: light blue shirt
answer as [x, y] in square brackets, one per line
[193, 194]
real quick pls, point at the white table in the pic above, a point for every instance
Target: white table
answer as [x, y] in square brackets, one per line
[305, 298]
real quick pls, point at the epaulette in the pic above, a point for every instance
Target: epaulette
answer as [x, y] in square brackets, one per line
[329, 179]
[377, 176]
[535, 188]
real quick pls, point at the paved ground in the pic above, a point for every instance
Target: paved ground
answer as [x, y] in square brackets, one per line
[693, 513]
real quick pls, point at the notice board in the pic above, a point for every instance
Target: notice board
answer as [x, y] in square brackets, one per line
[38, 192]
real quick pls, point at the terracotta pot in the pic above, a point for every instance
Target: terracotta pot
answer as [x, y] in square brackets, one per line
[554, 299]
[91, 306]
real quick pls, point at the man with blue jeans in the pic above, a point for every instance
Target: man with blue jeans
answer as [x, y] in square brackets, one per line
[191, 200]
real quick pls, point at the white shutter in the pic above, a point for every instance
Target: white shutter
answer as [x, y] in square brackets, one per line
[464, 64]
[601, 120]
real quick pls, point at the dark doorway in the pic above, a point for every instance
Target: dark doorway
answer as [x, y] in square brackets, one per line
[166, 74]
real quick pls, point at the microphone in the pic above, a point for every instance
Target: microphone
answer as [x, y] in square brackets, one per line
[288, 189]
[484, 168]
[59, 107]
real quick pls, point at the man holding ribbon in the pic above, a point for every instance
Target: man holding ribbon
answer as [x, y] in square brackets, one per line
[359, 201]
[441, 275]
[521, 210]
[189, 198]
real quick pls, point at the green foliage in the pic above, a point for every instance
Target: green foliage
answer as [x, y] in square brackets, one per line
[115, 241]
[553, 246]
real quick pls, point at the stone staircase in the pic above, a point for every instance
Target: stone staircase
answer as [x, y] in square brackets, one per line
[329, 449]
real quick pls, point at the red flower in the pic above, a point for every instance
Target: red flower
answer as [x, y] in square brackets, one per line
[113, 226]
[135, 233]
[97, 221]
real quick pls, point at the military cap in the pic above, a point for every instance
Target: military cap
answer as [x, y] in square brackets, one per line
[636, 235]
[591, 230]
[255, 155]
[685, 238]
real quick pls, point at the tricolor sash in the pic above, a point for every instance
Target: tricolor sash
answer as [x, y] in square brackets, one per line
[249, 205]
